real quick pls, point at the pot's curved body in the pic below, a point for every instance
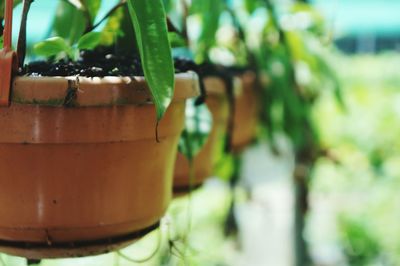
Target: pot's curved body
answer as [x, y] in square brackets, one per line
[245, 119]
[88, 178]
[246, 113]
[204, 163]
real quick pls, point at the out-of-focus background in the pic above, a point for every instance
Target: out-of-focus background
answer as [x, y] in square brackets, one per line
[354, 210]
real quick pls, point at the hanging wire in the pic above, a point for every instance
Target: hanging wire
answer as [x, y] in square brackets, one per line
[152, 255]
[182, 252]
[192, 176]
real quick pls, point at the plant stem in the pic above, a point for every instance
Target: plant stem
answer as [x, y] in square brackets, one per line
[173, 28]
[304, 161]
[301, 208]
[1, 27]
[109, 13]
[231, 226]
[89, 24]
[185, 15]
[21, 46]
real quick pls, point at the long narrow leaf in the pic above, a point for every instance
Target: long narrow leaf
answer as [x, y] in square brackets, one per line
[149, 21]
[209, 11]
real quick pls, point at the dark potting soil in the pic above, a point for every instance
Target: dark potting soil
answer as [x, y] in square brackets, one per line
[90, 64]
[103, 62]
[99, 63]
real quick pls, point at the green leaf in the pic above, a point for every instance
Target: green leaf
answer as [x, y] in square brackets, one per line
[78, 15]
[198, 125]
[53, 47]
[168, 4]
[92, 7]
[176, 40]
[76, 3]
[89, 41]
[1, 42]
[113, 28]
[149, 21]
[70, 15]
[250, 5]
[89, 7]
[209, 11]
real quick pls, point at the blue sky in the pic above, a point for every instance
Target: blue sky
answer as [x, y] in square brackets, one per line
[345, 16]
[41, 16]
[362, 16]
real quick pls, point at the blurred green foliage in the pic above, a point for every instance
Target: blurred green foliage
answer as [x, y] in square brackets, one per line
[198, 123]
[360, 246]
[291, 60]
[362, 186]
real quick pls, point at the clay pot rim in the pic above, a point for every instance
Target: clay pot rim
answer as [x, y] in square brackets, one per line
[216, 86]
[96, 91]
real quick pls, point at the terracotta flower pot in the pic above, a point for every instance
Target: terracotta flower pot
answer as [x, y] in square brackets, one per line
[89, 178]
[246, 113]
[244, 129]
[204, 162]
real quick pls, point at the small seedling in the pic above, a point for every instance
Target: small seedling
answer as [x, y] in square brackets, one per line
[59, 47]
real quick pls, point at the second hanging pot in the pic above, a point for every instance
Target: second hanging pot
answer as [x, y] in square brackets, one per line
[204, 162]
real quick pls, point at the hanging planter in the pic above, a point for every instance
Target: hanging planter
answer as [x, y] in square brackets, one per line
[246, 112]
[244, 125]
[204, 162]
[89, 178]
[87, 163]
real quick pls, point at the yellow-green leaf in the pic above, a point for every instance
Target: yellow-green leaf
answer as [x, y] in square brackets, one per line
[52, 47]
[89, 41]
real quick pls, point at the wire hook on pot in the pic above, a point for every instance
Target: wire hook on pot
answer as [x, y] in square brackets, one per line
[8, 58]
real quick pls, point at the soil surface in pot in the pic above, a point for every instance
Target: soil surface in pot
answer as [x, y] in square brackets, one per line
[98, 63]
[104, 62]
